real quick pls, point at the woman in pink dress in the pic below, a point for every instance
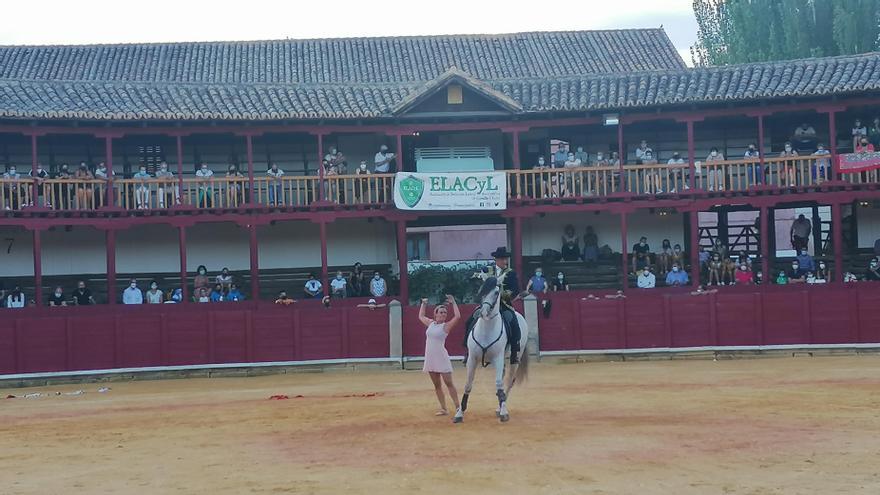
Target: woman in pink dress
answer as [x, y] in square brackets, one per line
[437, 363]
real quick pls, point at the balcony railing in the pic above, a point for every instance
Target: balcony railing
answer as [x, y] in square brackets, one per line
[562, 182]
[374, 189]
[16, 193]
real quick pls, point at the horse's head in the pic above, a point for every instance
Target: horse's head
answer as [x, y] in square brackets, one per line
[490, 297]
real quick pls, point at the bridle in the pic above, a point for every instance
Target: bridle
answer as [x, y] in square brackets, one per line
[490, 318]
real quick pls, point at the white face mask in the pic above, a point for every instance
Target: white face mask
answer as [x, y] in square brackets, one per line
[57, 292]
[560, 276]
[788, 148]
[339, 277]
[11, 171]
[154, 286]
[133, 286]
[675, 268]
[714, 153]
[363, 166]
[541, 161]
[646, 272]
[377, 277]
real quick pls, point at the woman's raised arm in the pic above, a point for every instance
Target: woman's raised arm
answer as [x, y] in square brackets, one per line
[422, 317]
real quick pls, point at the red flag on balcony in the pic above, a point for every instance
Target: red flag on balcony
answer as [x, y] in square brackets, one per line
[858, 162]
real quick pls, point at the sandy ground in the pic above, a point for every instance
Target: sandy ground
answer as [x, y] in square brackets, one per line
[789, 425]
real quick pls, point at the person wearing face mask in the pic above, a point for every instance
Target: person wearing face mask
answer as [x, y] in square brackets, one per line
[362, 190]
[234, 294]
[744, 275]
[313, 288]
[823, 273]
[339, 286]
[537, 284]
[873, 273]
[39, 177]
[715, 170]
[202, 296]
[167, 193]
[572, 182]
[86, 196]
[206, 186]
[142, 191]
[796, 274]
[57, 298]
[858, 132]
[676, 170]
[782, 278]
[664, 257]
[805, 136]
[678, 256]
[822, 166]
[82, 296]
[16, 298]
[224, 279]
[646, 279]
[542, 181]
[560, 284]
[714, 268]
[235, 182]
[14, 190]
[754, 172]
[201, 280]
[865, 146]
[132, 295]
[676, 277]
[788, 167]
[102, 174]
[641, 255]
[276, 191]
[357, 285]
[378, 287]
[582, 156]
[154, 295]
[218, 294]
[63, 192]
[805, 261]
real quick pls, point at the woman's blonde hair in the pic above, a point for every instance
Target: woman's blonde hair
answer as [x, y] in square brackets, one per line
[439, 307]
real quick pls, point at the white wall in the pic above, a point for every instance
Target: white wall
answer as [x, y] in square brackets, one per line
[540, 233]
[868, 226]
[148, 249]
[19, 261]
[80, 250]
[353, 240]
[217, 245]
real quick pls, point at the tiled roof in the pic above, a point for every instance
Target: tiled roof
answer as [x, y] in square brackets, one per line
[368, 78]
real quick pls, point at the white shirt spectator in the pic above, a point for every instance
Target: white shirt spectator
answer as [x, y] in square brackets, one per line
[15, 302]
[382, 162]
[648, 281]
[338, 284]
[275, 174]
[12, 174]
[378, 287]
[640, 152]
[572, 163]
[314, 286]
[132, 295]
[103, 173]
[204, 173]
[674, 161]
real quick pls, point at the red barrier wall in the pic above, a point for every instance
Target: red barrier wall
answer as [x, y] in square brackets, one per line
[414, 331]
[105, 337]
[770, 315]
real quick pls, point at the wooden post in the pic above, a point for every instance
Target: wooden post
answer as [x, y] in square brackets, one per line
[402, 262]
[38, 268]
[837, 240]
[320, 167]
[765, 244]
[249, 144]
[255, 263]
[399, 167]
[181, 241]
[35, 198]
[763, 180]
[324, 270]
[692, 180]
[832, 144]
[623, 251]
[622, 157]
[694, 248]
[108, 160]
[110, 237]
[179, 195]
[515, 152]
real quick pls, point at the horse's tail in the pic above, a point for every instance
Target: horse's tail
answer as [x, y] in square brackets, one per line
[522, 372]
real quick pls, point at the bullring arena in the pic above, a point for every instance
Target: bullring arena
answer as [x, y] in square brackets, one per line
[758, 426]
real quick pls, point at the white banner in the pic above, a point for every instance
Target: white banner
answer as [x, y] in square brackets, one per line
[450, 191]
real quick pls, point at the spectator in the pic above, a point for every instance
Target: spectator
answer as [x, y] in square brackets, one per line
[641, 255]
[874, 133]
[206, 186]
[796, 274]
[646, 280]
[537, 284]
[382, 160]
[678, 255]
[865, 147]
[615, 159]
[653, 181]
[331, 187]
[561, 155]
[806, 261]
[753, 171]
[714, 268]
[641, 151]
[782, 278]
[283, 299]
[560, 284]
[16, 298]
[591, 246]
[167, 192]
[154, 295]
[132, 295]
[715, 170]
[82, 296]
[176, 296]
[235, 183]
[142, 191]
[104, 175]
[57, 297]
[13, 189]
[572, 183]
[362, 189]
[339, 286]
[201, 295]
[789, 167]
[873, 273]
[744, 275]
[224, 279]
[276, 191]
[582, 156]
[217, 294]
[675, 169]
[805, 137]
[571, 250]
[39, 178]
[65, 190]
[759, 277]
[800, 233]
[823, 274]
[313, 288]
[378, 287]
[664, 257]
[358, 282]
[822, 167]
[676, 277]
[858, 132]
[338, 161]
[84, 192]
[234, 294]
[601, 160]
[201, 280]
[728, 273]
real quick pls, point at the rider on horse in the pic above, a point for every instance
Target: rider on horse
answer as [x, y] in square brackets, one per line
[509, 284]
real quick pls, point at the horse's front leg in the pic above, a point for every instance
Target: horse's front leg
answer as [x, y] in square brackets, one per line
[471, 371]
[498, 362]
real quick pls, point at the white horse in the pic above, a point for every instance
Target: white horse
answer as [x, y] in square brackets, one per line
[487, 343]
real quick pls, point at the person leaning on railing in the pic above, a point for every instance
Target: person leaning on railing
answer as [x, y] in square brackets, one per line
[13, 189]
[787, 173]
[167, 192]
[822, 166]
[206, 189]
[234, 181]
[40, 177]
[675, 169]
[753, 170]
[275, 190]
[362, 185]
[715, 173]
[142, 190]
[102, 173]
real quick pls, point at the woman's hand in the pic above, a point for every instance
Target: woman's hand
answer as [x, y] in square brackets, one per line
[450, 299]
[424, 301]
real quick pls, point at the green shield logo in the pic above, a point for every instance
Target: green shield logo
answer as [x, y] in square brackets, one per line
[411, 190]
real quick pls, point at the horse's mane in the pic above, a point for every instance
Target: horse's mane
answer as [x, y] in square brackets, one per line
[488, 286]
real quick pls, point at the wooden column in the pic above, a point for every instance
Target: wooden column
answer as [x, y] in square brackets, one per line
[765, 244]
[38, 267]
[621, 155]
[255, 263]
[832, 144]
[763, 180]
[399, 167]
[320, 167]
[324, 270]
[624, 263]
[108, 160]
[692, 180]
[515, 152]
[181, 242]
[517, 247]
[110, 237]
[837, 240]
[249, 144]
[179, 195]
[402, 262]
[694, 248]
[35, 192]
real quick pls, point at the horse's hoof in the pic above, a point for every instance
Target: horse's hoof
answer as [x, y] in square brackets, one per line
[504, 418]
[457, 419]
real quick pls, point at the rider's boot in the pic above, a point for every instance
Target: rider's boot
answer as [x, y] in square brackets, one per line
[513, 336]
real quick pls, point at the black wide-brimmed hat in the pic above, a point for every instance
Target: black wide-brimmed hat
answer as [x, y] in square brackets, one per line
[501, 252]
